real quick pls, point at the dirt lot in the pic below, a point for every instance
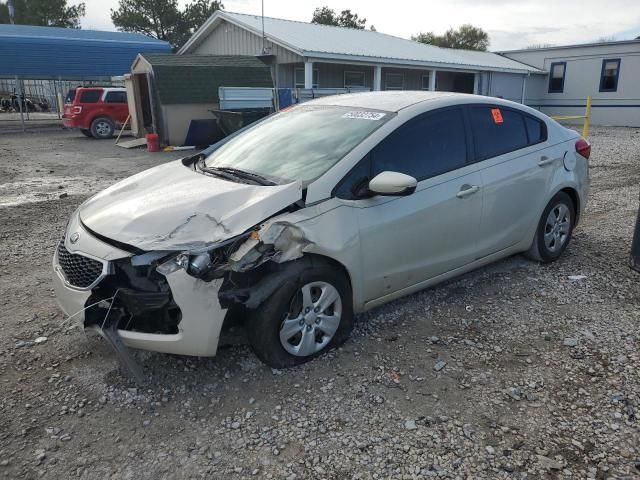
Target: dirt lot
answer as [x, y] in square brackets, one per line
[513, 371]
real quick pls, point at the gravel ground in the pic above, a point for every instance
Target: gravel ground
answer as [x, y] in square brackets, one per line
[514, 371]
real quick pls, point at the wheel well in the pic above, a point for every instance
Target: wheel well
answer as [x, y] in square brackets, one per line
[575, 199]
[98, 117]
[252, 287]
[314, 257]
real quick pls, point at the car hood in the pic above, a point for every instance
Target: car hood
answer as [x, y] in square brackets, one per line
[173, 207]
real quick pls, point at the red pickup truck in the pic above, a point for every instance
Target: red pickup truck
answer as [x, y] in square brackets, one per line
[96, 111]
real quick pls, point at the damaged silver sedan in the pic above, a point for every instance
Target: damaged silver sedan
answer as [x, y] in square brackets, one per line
[314, 214]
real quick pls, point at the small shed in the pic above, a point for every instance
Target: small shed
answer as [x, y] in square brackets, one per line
[169, 94]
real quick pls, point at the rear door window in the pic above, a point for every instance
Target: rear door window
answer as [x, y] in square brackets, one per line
[116, 97]
[428, 145]
[497, 131]
[90, 96]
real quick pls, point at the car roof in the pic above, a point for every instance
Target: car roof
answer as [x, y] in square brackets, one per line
[106, 89]
[394, 101]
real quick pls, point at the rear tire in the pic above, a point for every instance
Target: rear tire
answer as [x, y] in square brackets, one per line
[555, 228]
[102, 127]
[86, 133]
[308, 315]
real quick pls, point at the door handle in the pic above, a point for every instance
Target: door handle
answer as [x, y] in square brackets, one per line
[466, 190]
[544, 161]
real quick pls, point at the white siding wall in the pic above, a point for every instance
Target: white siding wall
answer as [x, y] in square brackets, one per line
[506, 85]
[582, 78]
[229, 39]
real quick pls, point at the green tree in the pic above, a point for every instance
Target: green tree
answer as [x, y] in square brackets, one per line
[351, 20]
[44, 13]
[348, 19]
[466, 37]
[324, 16]
[163, 19]
[199, 11]
[428, 37]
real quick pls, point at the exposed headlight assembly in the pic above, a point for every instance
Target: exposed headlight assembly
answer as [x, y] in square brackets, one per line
[206, 264]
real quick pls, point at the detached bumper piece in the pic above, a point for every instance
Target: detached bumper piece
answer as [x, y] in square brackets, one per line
[110, 334]
[120, 312]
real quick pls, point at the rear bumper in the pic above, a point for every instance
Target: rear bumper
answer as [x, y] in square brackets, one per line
[71, 121]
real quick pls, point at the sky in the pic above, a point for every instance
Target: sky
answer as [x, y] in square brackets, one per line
[511, 24]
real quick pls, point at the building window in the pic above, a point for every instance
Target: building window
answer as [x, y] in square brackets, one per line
[609, 75]
[394, 81]
[300, 78]
[556, 77]
[353, 79]
[425, 81]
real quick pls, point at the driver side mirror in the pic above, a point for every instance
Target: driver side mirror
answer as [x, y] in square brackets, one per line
[394, 184]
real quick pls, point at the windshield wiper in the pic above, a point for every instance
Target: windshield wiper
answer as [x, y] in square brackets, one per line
[221, 174]
[259, 179]
[233, 173]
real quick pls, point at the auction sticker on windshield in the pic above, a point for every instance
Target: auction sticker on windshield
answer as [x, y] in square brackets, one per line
[364, 115]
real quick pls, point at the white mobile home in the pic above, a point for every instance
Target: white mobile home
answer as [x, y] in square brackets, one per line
[310, 56]
[609, 72]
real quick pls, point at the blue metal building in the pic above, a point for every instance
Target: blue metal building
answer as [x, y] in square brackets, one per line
[30, 52]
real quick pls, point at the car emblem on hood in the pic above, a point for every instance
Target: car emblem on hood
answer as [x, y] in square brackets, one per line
[74, 237]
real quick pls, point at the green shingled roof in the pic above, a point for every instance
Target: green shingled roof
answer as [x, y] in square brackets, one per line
[196, 78]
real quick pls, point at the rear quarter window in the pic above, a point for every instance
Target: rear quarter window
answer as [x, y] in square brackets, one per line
[536, 130]
[116, 97]
[497, 131]
[71, 96]
[90, 96]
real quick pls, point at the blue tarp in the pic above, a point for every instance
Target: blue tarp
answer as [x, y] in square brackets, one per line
[64, 53]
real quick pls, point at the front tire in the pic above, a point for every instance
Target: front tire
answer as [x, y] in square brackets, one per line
[554, 229]
[86, 133]
[309, 314]
[102, 127]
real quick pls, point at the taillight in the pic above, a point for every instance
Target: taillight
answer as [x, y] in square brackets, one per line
[76, 110]
[583, 148]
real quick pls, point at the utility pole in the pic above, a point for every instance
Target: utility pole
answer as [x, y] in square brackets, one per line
[264, 47]
[12, 11]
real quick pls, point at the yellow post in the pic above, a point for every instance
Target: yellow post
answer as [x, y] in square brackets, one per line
[587, 118]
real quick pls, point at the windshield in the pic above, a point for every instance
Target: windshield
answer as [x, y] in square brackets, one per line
[300, 144]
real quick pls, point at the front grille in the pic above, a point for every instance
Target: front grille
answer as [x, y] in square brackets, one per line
[79, 271]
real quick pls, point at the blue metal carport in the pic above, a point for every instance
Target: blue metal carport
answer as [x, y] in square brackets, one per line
[29, 52]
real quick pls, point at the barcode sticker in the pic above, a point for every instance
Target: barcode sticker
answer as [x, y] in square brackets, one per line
[360, 115]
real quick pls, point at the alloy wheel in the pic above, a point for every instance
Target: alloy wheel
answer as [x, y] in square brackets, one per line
[312, 320]
[557, 227]
[103, 128]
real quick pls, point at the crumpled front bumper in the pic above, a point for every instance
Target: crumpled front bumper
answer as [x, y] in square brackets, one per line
[201, 320]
